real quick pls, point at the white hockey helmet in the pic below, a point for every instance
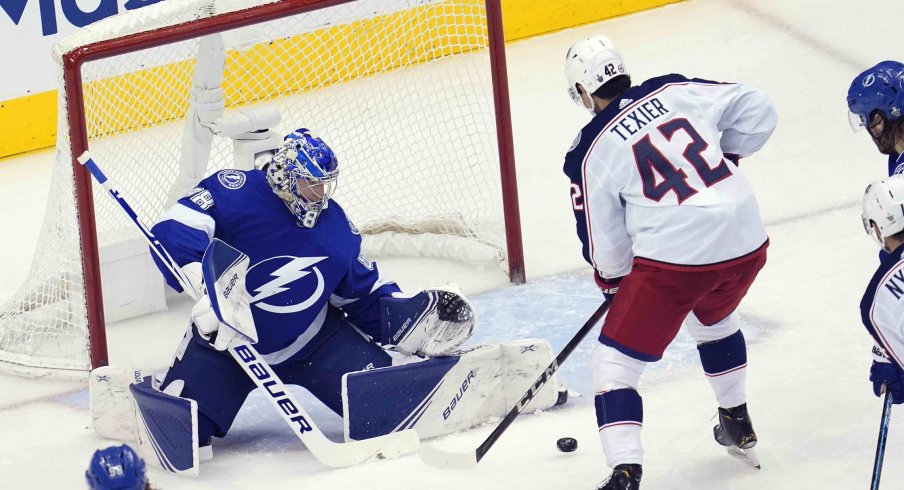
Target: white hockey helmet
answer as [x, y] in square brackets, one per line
[883, 204]
[591, 63]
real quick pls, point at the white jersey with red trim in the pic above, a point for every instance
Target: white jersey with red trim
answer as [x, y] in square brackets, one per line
[882, 308]
[651, 177]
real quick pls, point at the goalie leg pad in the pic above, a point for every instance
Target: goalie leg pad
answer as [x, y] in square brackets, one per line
[167, 429]
[448, 394]
[321, 372]
[112, 405]
[215, 381]
[433, 323]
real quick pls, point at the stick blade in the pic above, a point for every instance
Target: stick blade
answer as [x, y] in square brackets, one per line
[388, 446]
[446, 460]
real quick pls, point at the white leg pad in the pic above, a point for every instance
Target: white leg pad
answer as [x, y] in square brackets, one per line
[112, 405]
[710, 333]
[612, 370]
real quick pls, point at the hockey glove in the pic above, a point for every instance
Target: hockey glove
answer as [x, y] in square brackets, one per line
[734, 157]
[608, 286]
[220, 336]
[432, 323]
[887, 376]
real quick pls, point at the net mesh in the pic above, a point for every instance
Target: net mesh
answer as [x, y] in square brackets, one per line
[400, 89]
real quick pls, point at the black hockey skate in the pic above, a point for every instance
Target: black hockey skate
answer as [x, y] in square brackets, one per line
[735, 432]
[623, 477]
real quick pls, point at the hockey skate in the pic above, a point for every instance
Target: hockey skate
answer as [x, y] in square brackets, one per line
[735, 432]
[623, 477]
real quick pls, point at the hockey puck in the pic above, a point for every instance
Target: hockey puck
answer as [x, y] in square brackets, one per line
[567, 444]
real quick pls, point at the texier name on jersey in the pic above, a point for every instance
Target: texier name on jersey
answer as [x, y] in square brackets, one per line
[638, 118]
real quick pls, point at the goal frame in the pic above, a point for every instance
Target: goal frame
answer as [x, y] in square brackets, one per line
[73, 60]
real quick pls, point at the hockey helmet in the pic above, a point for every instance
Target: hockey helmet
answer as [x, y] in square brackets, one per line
[883, 204]
[116, 468]
[878, 88]
[303, 173]
[592, 62]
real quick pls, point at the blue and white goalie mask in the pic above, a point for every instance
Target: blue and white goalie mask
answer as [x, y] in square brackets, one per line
[303, 173]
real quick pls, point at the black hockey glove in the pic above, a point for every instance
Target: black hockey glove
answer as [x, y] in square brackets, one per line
[889, 375]
[608, 286]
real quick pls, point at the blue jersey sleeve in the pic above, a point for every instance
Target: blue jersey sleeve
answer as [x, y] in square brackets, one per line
[185, 230]
[358, 295]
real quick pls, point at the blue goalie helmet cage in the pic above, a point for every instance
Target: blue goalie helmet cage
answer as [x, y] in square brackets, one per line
[116, 468]
[880, 87]
[302, 162]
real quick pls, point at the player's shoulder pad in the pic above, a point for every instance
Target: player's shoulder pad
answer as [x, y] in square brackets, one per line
[336, 208]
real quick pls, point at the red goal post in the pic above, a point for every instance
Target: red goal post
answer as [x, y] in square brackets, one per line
[379, 79]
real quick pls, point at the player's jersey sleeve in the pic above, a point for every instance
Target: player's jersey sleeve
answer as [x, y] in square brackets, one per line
[882, 307]
[744, 115]
[358, 293]
[610, 250]
[185, 230]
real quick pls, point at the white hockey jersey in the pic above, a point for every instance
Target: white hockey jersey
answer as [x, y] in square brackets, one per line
[882, 307]
[650, 179]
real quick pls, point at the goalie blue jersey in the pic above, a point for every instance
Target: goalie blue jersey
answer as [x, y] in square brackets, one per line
[301, 280]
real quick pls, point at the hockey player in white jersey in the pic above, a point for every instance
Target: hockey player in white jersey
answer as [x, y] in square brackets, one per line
[881, 309]
[670, 224]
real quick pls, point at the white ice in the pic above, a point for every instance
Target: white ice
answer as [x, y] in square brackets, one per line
[808, 354]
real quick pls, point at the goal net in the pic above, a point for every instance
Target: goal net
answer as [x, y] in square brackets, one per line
[410, 94]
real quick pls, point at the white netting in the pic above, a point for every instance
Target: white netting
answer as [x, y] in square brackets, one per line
[400, 89]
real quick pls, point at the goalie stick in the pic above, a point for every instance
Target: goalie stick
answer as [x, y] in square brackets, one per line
[451, 460]
[334, 454]
[883, 437]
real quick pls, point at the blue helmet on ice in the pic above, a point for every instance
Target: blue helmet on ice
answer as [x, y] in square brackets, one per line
[116, 468]
[303, 173]
[880, 88]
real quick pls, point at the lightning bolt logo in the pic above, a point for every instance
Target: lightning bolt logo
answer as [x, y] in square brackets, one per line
[294, 270]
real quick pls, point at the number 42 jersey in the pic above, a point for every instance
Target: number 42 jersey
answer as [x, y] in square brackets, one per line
[651, 179]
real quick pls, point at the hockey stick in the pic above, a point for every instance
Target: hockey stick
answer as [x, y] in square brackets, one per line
[883, 436]
[448, 460]
[334, 454]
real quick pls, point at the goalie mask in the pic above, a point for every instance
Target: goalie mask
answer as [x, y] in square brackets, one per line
[303, 173]
[883, 204]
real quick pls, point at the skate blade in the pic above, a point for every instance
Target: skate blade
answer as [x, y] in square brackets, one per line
[746, 455]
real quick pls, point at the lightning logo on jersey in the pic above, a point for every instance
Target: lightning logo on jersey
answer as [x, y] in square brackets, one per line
[285, 278]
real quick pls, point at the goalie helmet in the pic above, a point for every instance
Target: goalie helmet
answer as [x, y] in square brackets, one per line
[591, 63]
[116, 468]
[883, 204]
[303, 173]
[880, 88]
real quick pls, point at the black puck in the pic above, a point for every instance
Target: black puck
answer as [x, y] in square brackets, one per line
[567, 444]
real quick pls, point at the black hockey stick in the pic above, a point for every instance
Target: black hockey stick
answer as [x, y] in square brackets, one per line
[883, 436]
[443, 459]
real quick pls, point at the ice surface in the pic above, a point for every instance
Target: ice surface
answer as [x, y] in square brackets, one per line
[809, 357]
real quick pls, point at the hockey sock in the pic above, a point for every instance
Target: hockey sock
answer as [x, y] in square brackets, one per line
[725, 364]
[619, 415]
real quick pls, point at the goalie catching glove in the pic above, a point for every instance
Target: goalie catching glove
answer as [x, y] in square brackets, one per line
[432, 323]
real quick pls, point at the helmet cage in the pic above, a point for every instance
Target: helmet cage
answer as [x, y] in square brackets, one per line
[304, 173]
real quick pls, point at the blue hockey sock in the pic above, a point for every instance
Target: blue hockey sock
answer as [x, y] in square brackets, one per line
[619, 415]
[725, 364]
